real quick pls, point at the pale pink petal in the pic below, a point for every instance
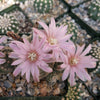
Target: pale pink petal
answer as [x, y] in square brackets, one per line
[17, 62]
[61, 31]
[66, 73]
[52, 27]
[45, 67]
[44, 26]
[41, 45]
[25, 66]
[65, 38]
[47, 48]
[13, 55]
[13, 46]
[72, 77]
[3, 39]
[27, 44]
[35, 41]
[63, 66]
[39, 32]
[86, 50]
[20, 68]
[28, 75]
[17, 70]
[79, 49]
[63, 57]
[2, 54]
[24, 70]
[1, 47]
[36, 74]
[79, 74]
[86, 75]
[2, 61]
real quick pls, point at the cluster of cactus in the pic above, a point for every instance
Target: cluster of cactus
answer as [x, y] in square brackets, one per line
[74, 93]
[95, 52]
[72, 29]
[43, 6]
[94, 10]
[8, 23]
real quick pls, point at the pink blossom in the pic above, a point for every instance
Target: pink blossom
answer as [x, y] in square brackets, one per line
[76, 63]
[30, 58]
[2, 61]
[55, 39]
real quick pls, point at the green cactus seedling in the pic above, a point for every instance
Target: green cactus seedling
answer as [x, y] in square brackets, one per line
[94, 10]
[43, 6]
[73, 93]
[8, 23]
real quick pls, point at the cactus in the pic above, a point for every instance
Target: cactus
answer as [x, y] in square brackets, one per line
[94, 10]
[72, 29]
[95, 52]
[8, 23]
[43, 6]
[73, 93]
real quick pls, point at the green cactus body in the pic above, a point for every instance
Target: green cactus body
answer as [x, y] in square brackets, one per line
[94, 10]
[95, 52]
[43, 6]
[72, 29]
[8, 23]
[73, 93]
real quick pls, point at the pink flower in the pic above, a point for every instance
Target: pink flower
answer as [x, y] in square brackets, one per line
[76, 63]
[55, 39]
[2, 61]
[30, 57]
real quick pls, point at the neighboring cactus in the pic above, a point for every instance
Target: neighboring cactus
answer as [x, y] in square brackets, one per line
[73, 93]
[43, 6]
[94, 10]
[95, 52]
[72, 29]
[8, 23]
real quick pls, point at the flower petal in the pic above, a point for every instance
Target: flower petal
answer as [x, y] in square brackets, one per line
[2, 54]
[86, 51]
[44, 26]
[39, 32]
[17, 70]
[3, 39]
[72, 77]
[28, 75]
[66, 73]
[2, 61]
[45, 67]
[36, 74]
[79, 50]
[13, 55]
[17, 62]
[1, 47]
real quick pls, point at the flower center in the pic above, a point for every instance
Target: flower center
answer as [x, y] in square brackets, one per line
[74, 61]
[52, 41]
[32, 56]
